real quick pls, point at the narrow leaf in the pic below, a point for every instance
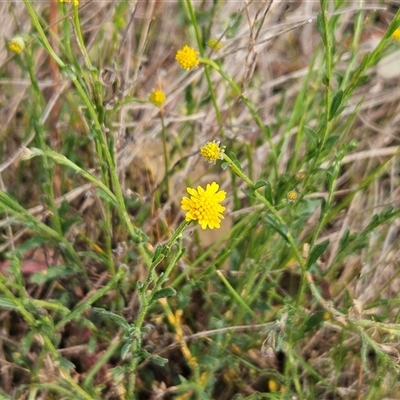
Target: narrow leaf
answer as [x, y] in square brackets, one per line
[277, 226]
[268, 193]
[260, 184]
[311, 135]
[165, 292]
[105, 196]
[125, 351]
[336, 101]
[317, 252]
[321, 26]
[120, 321]
[5, 303]
[161, 361]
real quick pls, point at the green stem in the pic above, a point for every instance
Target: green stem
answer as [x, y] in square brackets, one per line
[206, 70]
[7, 203]
[100, 362]
[235, 295]
[41, 33]
[270, 207]
[103, 150]
[288, 236]
[165, 150]
[18, 304]
[146, 298]
[250, 107]
[177, 232]
[79, 309]
[38, 127]
[328, 71]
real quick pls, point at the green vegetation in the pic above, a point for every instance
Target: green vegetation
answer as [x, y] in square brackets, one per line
[199, 200]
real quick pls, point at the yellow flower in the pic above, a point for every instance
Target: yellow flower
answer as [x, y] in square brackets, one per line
[187, 57]
[326, 316]
[75, 2]
[292, 195]
[212, 151]
[204, 205]
[214, 44]
[157, 97]
[272, 385]
[396, 34]
[16, 45]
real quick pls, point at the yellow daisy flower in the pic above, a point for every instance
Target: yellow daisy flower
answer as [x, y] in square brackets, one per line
[292, 195]
[212, 151]
[16, 45]
[157, 97]
[187, 57]
[204, 205]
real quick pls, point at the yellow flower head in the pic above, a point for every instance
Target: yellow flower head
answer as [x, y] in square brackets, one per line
[327, 316]
[204, 205]
[16, 45]
[187, 57]
[214, 44]
[212, 151]
[272, 385]
[396, 34]
[75, 2]
[292, 195]
[157, 97]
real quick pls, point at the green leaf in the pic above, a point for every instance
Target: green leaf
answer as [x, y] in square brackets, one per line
[161, 361]
[321, 26]
[50, 274]
[30, 244]
[105, 196]
[331, 141]
[120, 321]
[234, 25]
[267, 190]
[364, 353]
[249, 192]
[387, 212]
[94, 256]
[273, 222]
[311, 135]
[317, 252]
[260, 184]
[344, 241]
[158, 252]
[336, 101]
[360, 81]
[365, 61]
[165, 292]
[5, 303]
[125, 350]
[312, 321]
[159, 255]
[268, 193]
[224, 165]
[232, 156]
[64, 363]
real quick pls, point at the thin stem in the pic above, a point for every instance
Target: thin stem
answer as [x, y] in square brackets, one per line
[136, 234]
[165, 150]
[193, 19]
[250, 107]
[236, 296]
